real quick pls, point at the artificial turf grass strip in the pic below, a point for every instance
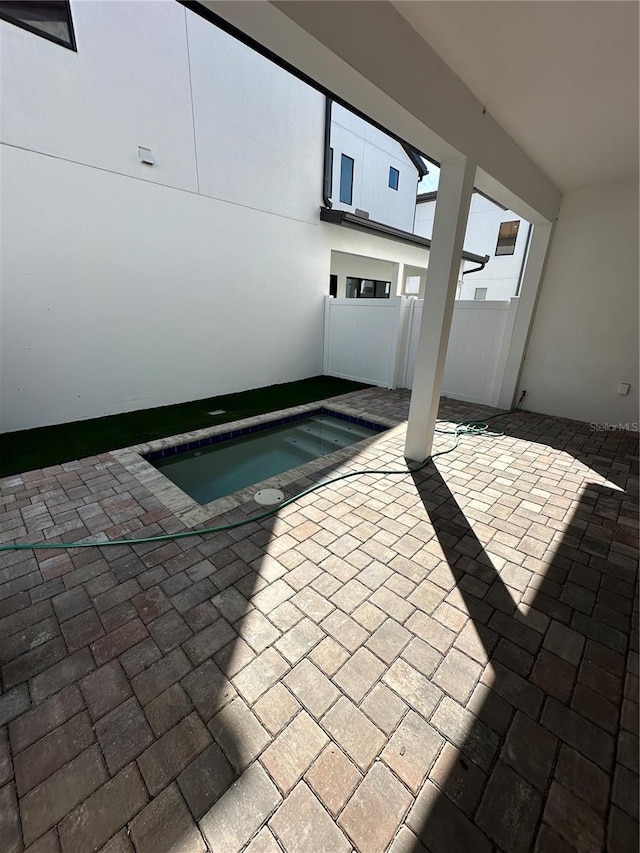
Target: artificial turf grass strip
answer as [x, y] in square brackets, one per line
[31, 449]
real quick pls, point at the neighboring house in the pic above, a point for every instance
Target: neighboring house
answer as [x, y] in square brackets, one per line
[371, 172]
[491, 230]
[371, 181]
[375, 177]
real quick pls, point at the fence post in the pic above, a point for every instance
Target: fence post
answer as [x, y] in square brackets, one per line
[403, 378]
[326, 355]
[394, 344]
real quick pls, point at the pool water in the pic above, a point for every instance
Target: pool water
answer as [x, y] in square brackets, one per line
[222, 469]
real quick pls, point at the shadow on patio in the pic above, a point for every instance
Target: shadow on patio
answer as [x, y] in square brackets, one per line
[538, 743]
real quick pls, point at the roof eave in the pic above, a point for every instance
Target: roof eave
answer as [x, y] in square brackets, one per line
[350, 220]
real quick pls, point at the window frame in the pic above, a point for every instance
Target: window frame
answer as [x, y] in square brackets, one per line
[482, 298]
[343, 158]
[396, 172]
[23, 25]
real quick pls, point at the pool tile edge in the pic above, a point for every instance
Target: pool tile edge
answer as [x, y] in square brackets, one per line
[192, 513]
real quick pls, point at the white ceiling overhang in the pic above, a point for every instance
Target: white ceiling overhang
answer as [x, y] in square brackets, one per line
[560, 77]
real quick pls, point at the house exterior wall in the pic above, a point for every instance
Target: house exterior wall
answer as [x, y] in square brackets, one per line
[584, 337]
[139, 295]
[127, 85]
[373, 153]
[127, 286]
[501, 274]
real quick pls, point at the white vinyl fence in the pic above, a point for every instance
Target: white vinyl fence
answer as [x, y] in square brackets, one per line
[362, 339]
[375, 341]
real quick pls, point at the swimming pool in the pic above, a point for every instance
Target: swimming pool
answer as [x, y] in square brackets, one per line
[223, 464]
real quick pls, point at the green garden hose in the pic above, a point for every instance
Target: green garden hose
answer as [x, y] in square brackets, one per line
[471, 427]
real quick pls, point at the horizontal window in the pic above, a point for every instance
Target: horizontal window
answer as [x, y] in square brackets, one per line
[367, 288]
[394, 178]
[507, 236]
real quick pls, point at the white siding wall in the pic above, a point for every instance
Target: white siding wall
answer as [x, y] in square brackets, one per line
[500, 276]
[373, 152]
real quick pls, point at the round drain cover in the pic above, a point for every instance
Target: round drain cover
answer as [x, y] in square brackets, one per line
[268, 497]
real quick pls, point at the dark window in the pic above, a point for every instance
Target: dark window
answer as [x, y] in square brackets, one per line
[333, 285]
[394, 178]
[367, 288]
[507, 236]
[50, 19]
[346, 179]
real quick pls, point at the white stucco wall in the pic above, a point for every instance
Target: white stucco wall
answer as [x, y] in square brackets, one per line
[127, 85]
[258, 130]
[138, 295]
[141, 295]
[125, 286]
[373, 153]
[500, 276]
[584, 338]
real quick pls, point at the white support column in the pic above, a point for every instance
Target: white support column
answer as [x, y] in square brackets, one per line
[534, 270]
[452, 210]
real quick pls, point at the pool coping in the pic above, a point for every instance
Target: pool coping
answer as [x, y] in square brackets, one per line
[190, 512]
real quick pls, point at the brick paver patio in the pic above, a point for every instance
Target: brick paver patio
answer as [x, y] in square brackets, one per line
[446, 661]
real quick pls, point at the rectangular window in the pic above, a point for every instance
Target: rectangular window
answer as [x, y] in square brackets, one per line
[480, 294]
[50, 19]
[346, 179]
[330, 174]
[394, 178]
[507, 236]
[367, 288]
